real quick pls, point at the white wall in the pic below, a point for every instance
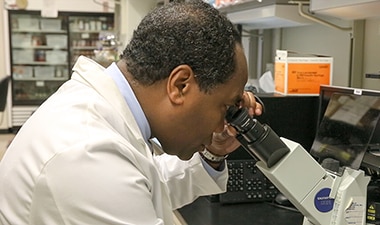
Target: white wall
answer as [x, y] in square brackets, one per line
[324, 40]
[319, 39]
[4, 69]
[74, 5]
[132, 12]
[3, 57]
[371, 53]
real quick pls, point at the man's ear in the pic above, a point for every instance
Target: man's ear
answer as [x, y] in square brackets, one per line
[179, 83]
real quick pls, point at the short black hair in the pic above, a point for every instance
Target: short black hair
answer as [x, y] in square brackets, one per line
[192, 33]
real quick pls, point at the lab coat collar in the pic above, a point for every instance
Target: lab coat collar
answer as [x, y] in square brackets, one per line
[88, 71]
[130, 97]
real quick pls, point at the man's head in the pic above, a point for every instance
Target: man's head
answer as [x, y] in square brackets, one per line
[194, 34]
[186, 65]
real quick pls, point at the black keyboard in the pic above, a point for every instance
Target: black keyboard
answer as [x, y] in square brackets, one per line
[247, 183]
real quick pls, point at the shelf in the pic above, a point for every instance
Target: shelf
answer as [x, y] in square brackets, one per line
[39, 41]
[40, 31]
[89, 31]
[44, 79]
[84, 48]
[41, 63]
[38, 47]
[267, 14]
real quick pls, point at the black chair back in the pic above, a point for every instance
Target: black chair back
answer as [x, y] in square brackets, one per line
[4, 83]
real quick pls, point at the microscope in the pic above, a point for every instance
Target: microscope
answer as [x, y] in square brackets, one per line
[325, 194]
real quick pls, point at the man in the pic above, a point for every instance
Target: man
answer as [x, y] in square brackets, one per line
[85, 156]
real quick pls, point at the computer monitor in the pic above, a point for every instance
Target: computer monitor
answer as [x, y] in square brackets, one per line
[325, 94]
[348, 126]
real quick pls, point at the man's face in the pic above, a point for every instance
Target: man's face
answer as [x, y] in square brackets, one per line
[205, 112]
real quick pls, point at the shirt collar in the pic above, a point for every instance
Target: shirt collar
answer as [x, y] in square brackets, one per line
[131, 99]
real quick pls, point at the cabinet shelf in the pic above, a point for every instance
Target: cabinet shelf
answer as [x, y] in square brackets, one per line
[40, 31]
[84, 48]
[89, 31]
[41, 63]
[39, 47]
[45, 79]
[39, 79]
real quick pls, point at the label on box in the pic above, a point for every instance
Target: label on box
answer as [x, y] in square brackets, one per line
[306, 78]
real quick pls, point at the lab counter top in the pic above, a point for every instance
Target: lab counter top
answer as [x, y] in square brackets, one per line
[204, 212]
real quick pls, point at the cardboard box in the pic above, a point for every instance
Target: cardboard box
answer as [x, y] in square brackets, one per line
[301, 75]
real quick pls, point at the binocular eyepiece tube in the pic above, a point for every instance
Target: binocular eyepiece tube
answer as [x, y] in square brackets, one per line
[258, 139]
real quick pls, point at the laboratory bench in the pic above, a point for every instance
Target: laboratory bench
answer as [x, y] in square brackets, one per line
[204, 211]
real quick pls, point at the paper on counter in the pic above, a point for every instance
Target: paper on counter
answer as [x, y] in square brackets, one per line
[266, 82]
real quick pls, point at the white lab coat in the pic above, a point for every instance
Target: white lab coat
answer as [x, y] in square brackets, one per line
[81, 159]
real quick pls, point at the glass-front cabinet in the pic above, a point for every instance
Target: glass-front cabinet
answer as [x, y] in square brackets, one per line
[43, 51]
[39, 57]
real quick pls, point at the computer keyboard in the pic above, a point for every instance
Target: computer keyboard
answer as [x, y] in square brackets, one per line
[247, 183]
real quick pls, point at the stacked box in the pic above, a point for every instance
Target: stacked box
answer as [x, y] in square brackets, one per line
[21, 40]
[28, 23]
[56, 57]
[301, 75]
[44, 72]
[56, 41]
[23, 56]
[51, 24]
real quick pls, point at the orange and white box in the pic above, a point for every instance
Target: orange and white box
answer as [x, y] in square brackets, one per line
[301, 75]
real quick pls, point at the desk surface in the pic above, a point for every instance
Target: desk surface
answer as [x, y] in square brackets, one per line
[204, 212]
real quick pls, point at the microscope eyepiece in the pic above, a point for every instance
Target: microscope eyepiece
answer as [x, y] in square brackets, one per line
[258, 139]
[242, 122]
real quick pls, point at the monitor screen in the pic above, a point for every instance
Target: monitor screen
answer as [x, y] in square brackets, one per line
[348, 121]
[325, 94]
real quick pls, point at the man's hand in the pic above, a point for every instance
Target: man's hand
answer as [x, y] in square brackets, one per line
[249, 101]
